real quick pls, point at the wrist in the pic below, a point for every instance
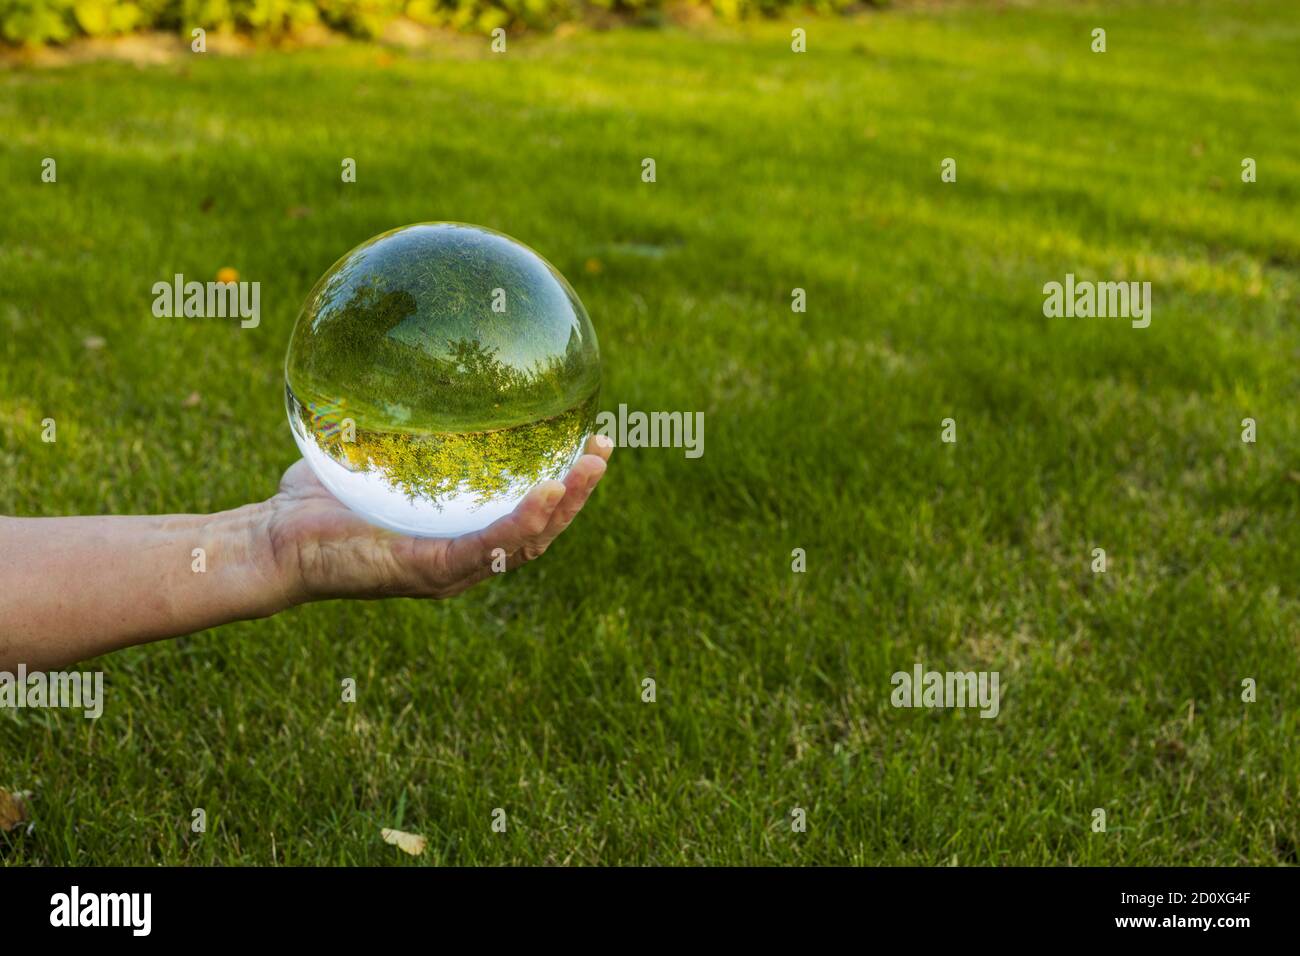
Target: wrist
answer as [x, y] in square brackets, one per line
[266, 581]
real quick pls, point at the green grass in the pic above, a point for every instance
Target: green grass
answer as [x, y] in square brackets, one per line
[775, 171]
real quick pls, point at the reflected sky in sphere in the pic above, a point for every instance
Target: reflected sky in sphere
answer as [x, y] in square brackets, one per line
[446, 365]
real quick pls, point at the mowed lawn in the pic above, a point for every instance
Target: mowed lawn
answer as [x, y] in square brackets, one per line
[775, 171]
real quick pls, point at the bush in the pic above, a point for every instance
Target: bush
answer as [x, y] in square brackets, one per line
[364, 18]
[37, 22]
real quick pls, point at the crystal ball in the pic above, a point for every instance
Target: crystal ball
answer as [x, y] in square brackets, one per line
[436, 373]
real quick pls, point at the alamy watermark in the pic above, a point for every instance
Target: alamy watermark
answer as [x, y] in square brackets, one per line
[1103, 300]
[57, 689]
[923, 688]
[133, 911]
[209, 300]
[654, 430]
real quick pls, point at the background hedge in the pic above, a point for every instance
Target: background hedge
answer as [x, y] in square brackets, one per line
[38, 22]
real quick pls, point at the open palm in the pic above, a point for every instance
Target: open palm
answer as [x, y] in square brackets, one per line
[332, 553]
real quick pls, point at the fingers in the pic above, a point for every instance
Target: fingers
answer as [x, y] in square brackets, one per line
[512, 534]
[599, 445]
[296, 476]
[578, 484]
[545, 512]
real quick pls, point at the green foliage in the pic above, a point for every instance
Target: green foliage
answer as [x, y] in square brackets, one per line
[37, 22]
[261, 17]
[488, 462]
[402, 322]
[742, 9]
[364, 18]
[276, 16]
[104, 17]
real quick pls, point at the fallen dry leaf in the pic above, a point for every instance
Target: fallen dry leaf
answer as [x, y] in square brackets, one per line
[13, 810]
[192, 400]
[411, 843]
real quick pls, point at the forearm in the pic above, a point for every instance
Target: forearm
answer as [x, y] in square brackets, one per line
[74, 588]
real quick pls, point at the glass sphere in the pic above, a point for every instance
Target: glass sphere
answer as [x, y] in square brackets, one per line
[436, 373]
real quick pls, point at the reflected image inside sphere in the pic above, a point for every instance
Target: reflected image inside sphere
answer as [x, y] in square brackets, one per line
[436, 373]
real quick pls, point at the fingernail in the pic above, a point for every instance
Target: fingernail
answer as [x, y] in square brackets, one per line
[553, 495]
[604, 441]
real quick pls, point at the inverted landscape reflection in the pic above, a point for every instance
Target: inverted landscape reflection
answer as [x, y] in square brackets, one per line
[436, 373]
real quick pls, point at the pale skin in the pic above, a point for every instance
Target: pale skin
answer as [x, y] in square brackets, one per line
[75, 588]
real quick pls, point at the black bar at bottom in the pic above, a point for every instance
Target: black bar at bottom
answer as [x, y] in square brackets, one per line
[334, 906]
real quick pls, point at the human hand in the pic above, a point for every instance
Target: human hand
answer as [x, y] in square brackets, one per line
[77, 587]
[319, 549]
